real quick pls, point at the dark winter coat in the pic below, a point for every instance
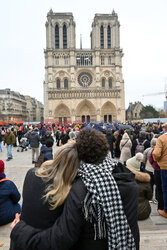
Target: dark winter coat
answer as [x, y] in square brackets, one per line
[46, 138]
[9, 197]
[1, 137]
[48, 155]
[35, 211]
[71, 230]
[34, 139]
[111, 139]
[64, 138]
[117, 144]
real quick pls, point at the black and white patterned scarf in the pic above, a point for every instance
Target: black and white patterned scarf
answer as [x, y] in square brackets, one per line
[103, 205]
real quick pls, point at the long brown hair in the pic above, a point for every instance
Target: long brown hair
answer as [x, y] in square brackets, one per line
[62, 170]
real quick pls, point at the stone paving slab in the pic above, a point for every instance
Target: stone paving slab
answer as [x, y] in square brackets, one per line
[153, 231]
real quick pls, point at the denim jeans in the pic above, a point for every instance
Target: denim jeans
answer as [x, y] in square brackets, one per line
[9, 151]
[164, 187]
[0, 146]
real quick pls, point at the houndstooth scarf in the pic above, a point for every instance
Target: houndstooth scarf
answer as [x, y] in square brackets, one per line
[103, 205]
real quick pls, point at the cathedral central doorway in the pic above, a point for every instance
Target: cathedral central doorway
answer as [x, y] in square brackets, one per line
[62, 114]
[107, 118]
[85, 118]
[85, 111]
[108, 112]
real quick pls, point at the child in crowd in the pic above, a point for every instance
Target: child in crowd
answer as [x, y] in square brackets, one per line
[9, 197]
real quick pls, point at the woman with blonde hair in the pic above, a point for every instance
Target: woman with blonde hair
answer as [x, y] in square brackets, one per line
[46, 188]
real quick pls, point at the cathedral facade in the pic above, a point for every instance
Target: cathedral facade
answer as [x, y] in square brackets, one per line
[83, 84]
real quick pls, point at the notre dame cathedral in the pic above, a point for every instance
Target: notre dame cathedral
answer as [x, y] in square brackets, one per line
[83, 84]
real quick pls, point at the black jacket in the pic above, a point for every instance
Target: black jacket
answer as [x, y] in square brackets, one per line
[111, 139]
[46, 138]
[71, 231]
[35, 211]
[34, 139]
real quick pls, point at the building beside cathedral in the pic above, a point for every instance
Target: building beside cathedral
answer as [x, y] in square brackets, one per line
[133, 111]
[83, 84]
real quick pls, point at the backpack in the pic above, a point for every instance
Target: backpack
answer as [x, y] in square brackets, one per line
[140, 146]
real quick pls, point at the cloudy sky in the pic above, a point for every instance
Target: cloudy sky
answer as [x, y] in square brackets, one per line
[143, 40]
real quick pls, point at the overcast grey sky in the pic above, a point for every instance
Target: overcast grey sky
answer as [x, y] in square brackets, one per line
[143, 40]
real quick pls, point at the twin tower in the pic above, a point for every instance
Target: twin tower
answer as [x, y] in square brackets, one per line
[83, 84]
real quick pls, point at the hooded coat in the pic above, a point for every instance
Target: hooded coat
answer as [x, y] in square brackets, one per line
[125, 147]
[145, 193]
[9, 197]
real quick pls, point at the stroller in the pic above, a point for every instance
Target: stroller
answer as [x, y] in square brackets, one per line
[23, 144]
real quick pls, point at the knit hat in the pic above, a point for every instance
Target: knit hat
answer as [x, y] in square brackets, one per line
[2, 167]
[49, 143]
[135, 161]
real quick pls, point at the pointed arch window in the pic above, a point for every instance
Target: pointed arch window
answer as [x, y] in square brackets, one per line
[109, 36]
[65, 83]
[102, 37]
[103, 83]
[58, 83]
[64, 36]
[57, 36]
[110, 83]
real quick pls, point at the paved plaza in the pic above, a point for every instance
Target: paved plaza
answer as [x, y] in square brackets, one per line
[153, 231]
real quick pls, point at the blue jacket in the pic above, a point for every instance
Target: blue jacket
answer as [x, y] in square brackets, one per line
[9, 197]
[47, 153]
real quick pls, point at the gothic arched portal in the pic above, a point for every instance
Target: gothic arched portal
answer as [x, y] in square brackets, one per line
[108, 112]
[62, 113]
[85, 111]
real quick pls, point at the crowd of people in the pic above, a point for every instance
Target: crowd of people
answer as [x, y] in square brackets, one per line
[91, 193]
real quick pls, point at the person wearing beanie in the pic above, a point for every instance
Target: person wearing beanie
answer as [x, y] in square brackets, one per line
[45, 153]
[9, 197]
[47, 150]
[135, 161]
[143, 181]
[47, 137]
